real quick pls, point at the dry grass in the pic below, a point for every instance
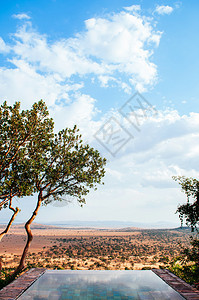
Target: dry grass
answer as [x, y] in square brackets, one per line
[93, 248]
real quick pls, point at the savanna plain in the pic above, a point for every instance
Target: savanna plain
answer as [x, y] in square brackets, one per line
[93, 248]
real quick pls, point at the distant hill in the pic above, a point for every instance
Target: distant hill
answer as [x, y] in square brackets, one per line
[114, 224]
[130, 229]
[33, 226]
[100, 224]
[183, 228]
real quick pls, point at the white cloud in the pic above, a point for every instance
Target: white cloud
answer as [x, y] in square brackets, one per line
[165, 134]
[116, 45]
[133, 8]
[105, 80]
[126, 87]
[139, 180]
[109, 47]
[167, 143]
[3, 47]
[80, 111]
[120, 41]
[26, 85]
[21, 16]
[164, 9]
[59, 57]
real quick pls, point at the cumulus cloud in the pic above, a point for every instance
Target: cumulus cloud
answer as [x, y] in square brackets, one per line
[166, 145]
[115, 50]
[21, 16]
[24, 84]
[109, 47]
[81, 111]
[59, 57]
[121, 42]
[164, 9]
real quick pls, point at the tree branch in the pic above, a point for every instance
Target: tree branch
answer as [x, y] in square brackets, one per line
[29, 235]
[15, 212]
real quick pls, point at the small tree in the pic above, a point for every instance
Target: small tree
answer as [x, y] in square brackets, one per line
[189, 268]
[18, 130]
[190, 210]
[66, 168]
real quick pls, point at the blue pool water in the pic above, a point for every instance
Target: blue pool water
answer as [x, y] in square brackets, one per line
[89, 284]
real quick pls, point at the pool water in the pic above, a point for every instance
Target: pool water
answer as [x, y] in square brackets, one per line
[90, 284]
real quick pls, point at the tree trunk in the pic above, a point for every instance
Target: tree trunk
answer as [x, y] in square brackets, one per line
[15, 212]
[0, 264]
[29, 236]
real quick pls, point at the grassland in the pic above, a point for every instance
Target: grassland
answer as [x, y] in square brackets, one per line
[102, 249]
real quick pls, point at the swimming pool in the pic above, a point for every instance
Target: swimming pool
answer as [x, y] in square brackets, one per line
[99, 284]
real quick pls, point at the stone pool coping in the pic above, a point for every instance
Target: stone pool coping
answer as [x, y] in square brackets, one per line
[13, 290]
[179, 285]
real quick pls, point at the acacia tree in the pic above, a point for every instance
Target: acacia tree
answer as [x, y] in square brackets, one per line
[66, 168]
[189, 269]
[190, 210]
[18, 129]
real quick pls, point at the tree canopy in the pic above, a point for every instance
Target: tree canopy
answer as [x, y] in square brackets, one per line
[35, 160]
[189, 259]
[18, 130]
[190, 210]
[68, 167]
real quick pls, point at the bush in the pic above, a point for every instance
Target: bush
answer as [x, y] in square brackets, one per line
[187, 265]
[6, 277]
[146, 268]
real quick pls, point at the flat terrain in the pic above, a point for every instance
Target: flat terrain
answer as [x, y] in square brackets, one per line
[88, 248]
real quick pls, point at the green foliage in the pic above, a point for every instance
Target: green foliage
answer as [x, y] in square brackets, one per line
[146, 268]
[6, 277]
[18, 131]
[67, 168]
[34, 159]
[190, 210]
[186, 266]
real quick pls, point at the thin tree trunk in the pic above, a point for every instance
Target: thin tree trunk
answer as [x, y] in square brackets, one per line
[29, 235]
[0, 264]
[15, 212]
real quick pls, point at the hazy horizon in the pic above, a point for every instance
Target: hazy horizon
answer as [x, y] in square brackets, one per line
[106, 223]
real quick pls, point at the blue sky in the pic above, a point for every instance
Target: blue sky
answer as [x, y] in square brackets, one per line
[86, 59]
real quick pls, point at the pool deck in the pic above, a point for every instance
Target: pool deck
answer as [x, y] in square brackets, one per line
[18, 286]
[183, 288]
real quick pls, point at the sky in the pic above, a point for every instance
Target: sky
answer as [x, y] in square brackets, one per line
[126, 73]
